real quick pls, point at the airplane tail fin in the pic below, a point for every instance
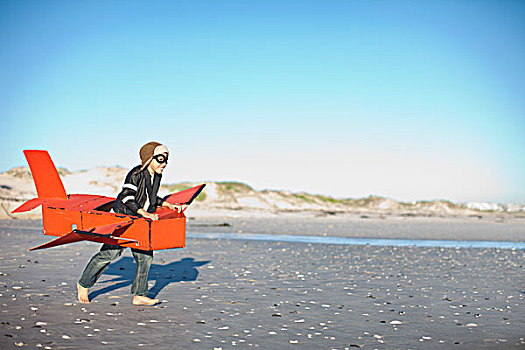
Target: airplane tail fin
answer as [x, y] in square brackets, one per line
[45, 175]
[47, 181]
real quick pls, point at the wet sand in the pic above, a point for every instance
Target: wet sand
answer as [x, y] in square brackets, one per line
[268, 295]
[487, 227]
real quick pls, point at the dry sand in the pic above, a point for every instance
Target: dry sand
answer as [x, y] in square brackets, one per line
[273, 295]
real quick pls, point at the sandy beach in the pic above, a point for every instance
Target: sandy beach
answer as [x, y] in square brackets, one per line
[224, 294]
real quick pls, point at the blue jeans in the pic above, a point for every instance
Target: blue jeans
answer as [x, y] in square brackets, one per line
[108, 253]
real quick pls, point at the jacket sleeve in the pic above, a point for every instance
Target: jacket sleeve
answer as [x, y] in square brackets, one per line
[129, 191]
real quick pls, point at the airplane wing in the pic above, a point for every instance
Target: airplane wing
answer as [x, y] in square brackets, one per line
[101, 234]
[29, 205]
[35, 202]
[87, 201]
[74, 202]
[186, 196]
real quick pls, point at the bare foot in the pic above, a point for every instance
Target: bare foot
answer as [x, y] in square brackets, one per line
[144, 300]
[82, 294]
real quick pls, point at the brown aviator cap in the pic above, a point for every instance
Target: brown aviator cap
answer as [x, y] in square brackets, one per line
[149, 150]
[146, 151]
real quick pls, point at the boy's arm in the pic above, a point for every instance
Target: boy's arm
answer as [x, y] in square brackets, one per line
[129, 190]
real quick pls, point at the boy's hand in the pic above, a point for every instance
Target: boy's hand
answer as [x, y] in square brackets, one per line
[180, 208]
[177, 207]
[148, 215]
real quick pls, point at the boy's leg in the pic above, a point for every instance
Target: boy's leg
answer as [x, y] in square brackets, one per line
[139, 289]
[94, 269]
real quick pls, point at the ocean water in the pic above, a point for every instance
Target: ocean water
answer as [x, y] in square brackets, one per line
[361, 241]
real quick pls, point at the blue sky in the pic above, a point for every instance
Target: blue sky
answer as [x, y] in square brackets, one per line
[405, 99]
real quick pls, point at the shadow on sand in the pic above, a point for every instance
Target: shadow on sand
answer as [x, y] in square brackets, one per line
[124, 269]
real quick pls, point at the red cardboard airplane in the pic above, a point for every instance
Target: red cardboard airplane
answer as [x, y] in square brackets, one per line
[86, 217]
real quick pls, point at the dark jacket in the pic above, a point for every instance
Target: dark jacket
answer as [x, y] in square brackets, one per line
[136, 190]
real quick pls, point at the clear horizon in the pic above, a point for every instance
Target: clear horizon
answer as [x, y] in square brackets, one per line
[405, 100]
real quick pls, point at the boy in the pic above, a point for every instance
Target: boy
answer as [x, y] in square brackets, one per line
[138, 197]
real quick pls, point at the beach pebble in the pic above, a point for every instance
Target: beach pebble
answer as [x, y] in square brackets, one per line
[17, 287]
[395, 322]
[294, 341]
[471, 325]
[40, 323]
[66, 336]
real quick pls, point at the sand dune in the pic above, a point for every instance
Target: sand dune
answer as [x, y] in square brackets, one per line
[16, 186]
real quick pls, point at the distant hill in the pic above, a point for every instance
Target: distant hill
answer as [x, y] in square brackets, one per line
[16, 186]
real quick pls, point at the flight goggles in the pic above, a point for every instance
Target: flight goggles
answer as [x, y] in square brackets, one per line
[161, 158]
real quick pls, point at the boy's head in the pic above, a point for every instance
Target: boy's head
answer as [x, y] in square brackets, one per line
[155, 156]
